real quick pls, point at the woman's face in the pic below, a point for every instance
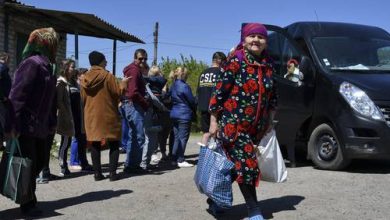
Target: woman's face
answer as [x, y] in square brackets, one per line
[255, 44]
[71, 71]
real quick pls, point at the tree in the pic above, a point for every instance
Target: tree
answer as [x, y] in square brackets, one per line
[194, 70]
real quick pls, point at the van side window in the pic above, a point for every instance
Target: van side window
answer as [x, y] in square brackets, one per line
[286, 58]
[290, 63]
[274, 43]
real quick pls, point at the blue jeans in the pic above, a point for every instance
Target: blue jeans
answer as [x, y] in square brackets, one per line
[125, 134]
[74, 155]
[134, 115]
[181, 129]
[78, 154]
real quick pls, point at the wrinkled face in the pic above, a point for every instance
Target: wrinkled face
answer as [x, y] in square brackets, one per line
[255, 43]
[140, 60]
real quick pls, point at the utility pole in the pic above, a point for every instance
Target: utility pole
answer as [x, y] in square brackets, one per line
[155, 34]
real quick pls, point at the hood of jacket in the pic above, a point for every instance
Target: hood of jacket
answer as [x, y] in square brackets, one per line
[94, 78]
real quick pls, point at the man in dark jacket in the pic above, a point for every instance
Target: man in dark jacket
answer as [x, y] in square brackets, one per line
[133, 110]
[206, 85]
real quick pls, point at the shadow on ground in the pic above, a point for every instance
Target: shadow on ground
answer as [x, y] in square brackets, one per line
[268, 207]
[50, 207]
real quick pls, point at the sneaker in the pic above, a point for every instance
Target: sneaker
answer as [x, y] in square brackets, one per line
[64, 172]
[75, 167]
[184, 164]
[41, 180]
[155, 159]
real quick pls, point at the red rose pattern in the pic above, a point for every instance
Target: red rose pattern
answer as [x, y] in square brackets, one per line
[240, 89]
[230, 104]
[249, 110]
[229, 130]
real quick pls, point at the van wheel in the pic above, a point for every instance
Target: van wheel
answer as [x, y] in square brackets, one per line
[325, 149]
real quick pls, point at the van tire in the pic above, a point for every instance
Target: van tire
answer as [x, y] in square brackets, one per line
[325, 149]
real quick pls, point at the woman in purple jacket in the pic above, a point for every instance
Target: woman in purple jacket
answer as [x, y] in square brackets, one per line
[32, 96]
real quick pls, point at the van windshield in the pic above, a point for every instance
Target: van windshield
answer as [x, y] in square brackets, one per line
[353, 53]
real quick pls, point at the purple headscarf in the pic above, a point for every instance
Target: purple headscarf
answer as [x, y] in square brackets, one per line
[246, 30]
[253, 28]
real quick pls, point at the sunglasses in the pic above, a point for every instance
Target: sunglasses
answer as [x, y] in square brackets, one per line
[142, 59]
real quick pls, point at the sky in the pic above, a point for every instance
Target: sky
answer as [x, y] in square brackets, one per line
[199, 28]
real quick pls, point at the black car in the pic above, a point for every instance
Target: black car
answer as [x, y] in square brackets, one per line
[333, 81]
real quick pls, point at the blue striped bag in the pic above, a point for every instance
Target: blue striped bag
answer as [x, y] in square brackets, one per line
[213, 177]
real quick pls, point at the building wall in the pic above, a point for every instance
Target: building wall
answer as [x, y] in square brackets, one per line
[24, 25]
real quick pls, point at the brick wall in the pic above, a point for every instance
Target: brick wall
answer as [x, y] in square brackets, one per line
[23, 25]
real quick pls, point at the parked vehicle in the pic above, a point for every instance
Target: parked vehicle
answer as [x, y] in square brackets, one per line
[340, 108]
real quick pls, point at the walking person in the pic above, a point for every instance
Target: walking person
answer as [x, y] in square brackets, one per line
[100, 94]
[133, 108]
[242, 109]
[65, 124]
[183, 110]
[206, 86]
[33, 102]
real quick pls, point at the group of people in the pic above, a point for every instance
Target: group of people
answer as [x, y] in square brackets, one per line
[237, 102]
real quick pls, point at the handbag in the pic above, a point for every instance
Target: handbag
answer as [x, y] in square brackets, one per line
[270, 159]
[16, 172]
[213, 177]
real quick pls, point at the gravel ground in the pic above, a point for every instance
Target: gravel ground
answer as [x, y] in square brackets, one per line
[361, 192]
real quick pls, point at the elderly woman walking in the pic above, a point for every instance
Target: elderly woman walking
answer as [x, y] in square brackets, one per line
[242, 109]
[32, 97]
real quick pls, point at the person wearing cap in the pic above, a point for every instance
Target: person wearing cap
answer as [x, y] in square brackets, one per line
[100, 94]
[242, 110]
[33, 108]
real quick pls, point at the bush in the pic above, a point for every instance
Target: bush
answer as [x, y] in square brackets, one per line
[194, 67]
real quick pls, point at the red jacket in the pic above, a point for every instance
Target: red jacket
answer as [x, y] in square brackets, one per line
[136, 89]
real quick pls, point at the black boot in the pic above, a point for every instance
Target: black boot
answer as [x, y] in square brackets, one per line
[114, 177]
[98, 176]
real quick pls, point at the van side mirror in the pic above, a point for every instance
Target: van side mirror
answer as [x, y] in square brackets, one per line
[307, 68]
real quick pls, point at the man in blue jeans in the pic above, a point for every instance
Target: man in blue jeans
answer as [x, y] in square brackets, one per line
[133, 110]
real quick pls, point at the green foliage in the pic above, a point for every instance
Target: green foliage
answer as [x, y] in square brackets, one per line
[194, 67]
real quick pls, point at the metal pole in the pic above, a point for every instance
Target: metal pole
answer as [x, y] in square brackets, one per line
[155, 34]
[76, 48]
[114, 58]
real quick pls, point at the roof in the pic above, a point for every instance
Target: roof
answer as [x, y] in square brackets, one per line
[72, 22]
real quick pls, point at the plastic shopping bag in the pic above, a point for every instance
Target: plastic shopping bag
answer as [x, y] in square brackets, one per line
[270, 159]
[213, 177]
